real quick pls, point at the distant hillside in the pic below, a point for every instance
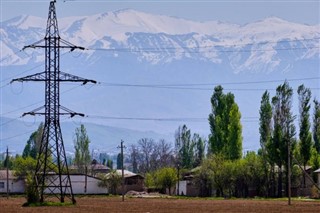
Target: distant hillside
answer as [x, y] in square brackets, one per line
[15, 134]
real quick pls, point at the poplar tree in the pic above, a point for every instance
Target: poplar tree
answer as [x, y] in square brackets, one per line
[284, 129]
[225, 126]
[265, 131]
[265, 128]
[316, 125]
[305, 136]
[33, 144]
[81, 146]
[184, 147]
[199, 144]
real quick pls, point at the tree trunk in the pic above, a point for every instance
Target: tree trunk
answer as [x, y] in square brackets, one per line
[280, 181]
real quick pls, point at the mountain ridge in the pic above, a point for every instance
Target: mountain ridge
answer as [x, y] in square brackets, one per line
[129, 68]
[159, 39]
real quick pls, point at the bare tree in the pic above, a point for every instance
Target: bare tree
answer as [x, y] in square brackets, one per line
[146, 146]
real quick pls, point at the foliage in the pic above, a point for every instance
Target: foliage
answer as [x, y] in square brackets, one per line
[119, 161]
[204, 178]
[33, 144]
[315, 162]
[32, 193]
[316, 125]
[184, 147]
[81, 146]
[110, 163]
[7, 162]
[265, 131]
[199, 152]
[24, 168]
[225, 126]
[150, 180]
[166, 178]
[304, 123]
[265, 128]
[284, 129]
[112, 181]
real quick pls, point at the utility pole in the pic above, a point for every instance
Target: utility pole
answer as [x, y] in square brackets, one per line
[122, 169]
[51, 177]
[178, 176]
[289, 172]
[7, 162]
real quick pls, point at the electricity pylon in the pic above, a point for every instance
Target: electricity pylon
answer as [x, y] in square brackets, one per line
[51, 176]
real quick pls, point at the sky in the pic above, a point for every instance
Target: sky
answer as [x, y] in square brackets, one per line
[231, 11]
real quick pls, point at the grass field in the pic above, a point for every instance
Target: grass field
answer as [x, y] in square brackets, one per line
[148, 205]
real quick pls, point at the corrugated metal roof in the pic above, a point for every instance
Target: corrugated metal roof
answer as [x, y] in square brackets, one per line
[3, 175]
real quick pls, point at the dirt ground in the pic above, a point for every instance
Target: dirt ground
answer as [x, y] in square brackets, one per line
[150, 205]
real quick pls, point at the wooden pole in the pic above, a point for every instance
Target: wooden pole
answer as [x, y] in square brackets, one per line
[7, 162]
[122, 169]
[289, 174]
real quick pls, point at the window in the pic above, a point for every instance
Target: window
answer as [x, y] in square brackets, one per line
[1, 185]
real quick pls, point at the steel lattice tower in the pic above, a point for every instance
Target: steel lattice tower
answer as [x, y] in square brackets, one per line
[52, 177]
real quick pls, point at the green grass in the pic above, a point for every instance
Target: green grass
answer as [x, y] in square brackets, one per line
[47, 204]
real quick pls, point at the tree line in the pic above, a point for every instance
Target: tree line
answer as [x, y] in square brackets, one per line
[216, 161]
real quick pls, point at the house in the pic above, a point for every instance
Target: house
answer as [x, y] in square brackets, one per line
[94, 169]
[318, 174]
[132, 181]
[16, 185]
[187, 187]
[97, 168]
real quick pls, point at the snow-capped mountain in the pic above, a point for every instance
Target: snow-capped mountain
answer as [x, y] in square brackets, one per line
[159, 39]
[155, 66]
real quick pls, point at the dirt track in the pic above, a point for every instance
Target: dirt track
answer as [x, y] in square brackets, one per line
[144, 205]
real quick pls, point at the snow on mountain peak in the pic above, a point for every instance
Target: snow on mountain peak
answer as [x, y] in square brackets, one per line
[133, 29]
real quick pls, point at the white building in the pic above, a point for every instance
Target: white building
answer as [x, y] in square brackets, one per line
[16, 185]
[80, 184]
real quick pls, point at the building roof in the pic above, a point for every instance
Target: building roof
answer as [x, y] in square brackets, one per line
[317, 171]
[3, 175]
[126, 174]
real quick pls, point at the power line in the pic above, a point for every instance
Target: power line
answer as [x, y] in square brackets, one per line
[26, 71]
[10, 121]
[192, 86]
[185, 50]
[15, 136]
[185, 119]
[19, 109]
[206, 47]
[212, 84]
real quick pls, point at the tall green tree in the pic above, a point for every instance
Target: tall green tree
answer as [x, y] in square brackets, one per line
[305, 135]
[265, 131]
[81, 146]
[284, 129]
[166, 178]
[265, 128]
[119, 161]
[225, 126]
[316, 125]
[199, 152]
[33, 144]
[184, 147]
[235, 134]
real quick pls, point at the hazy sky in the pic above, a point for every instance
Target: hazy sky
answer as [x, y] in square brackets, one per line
[236, 11]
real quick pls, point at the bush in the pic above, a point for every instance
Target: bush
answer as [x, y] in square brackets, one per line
[31, 191]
